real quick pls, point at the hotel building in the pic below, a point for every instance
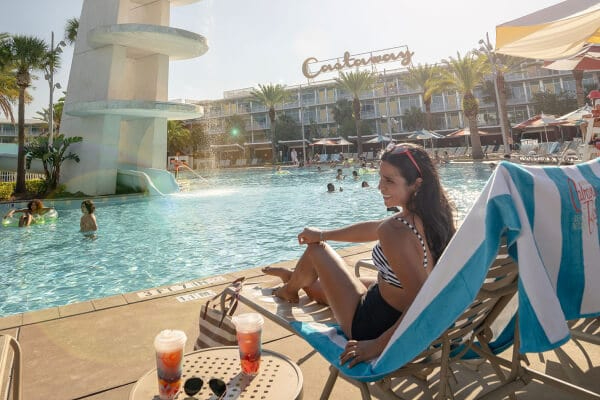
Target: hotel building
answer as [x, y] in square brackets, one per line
[312, 103]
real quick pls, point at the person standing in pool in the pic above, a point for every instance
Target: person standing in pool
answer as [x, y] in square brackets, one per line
[35, 208]
[409, 244]
[87, 223]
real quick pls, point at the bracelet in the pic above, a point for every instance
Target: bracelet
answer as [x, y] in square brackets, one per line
[321, 237]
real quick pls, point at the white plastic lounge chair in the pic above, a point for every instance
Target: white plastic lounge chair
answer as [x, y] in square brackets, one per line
[547, 216]
[10, 368]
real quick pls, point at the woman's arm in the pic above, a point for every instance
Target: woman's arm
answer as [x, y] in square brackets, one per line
[364, 350]
[356, 233]
[13, 211]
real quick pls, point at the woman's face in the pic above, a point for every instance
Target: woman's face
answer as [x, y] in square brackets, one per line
[393, 187]
[84, 209]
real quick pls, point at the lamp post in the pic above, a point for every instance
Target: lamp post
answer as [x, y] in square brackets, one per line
[302, 125]
[49, 76]
[487, 48]
[387, 104]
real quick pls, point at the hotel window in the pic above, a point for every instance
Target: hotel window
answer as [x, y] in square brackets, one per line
[517, 92]
[407, 102]
[379, 89]
[451, 101]
[588, 82]
[322, 114]
[453, 120]
[322, 93]
[569, 85]
[532, 88]
[244, 107]
[260, 121]
[438, 121]
[367, 109]
[309, 116]
[402, 87]
[308, 98]
[517, 114]
[437, 102]
[394, 108]
[330, 95]
[552, 85]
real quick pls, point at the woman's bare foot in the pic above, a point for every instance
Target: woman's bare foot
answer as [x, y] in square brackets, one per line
[284, 294]
[281, 273]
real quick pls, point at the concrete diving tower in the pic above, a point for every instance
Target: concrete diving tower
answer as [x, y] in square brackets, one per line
[118, 89]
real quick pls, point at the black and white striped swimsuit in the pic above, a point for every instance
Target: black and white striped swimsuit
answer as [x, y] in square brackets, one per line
[381, 263]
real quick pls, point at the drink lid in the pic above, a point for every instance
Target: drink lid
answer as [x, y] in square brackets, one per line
[169, 340]
[249, 322]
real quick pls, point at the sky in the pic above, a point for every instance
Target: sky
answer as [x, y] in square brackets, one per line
[266, 41]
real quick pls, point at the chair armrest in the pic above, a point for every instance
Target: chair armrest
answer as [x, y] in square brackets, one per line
[363, 263]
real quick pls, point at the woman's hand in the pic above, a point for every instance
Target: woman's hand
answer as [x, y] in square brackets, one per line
[9, 214]
[309, 235]
[356, 352]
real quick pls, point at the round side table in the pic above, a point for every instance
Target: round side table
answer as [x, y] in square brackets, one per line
[278, 378]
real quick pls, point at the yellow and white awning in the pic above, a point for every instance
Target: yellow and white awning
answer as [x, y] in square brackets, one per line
[553, 33]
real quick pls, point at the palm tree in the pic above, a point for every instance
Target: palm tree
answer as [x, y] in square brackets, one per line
[179, 138]
[71, 29]
[356, 83]
[8, 83]
[424, 77]
[52, 156]
[464, 74]
[500, 64]
[269, 96]
[24, 54]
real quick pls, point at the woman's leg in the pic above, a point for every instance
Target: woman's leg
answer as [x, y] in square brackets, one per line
[340, 288]
[314, 291]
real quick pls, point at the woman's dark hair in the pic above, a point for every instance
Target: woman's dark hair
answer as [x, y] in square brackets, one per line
[89, 206]
[429, 202]
[37, 202]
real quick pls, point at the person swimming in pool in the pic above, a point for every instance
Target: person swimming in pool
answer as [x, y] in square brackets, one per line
[87, 224]
[35, 208]
[409, 244]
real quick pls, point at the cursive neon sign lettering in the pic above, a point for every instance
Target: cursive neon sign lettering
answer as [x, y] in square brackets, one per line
[349, 61]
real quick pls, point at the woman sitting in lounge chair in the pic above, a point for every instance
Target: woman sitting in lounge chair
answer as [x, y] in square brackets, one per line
[409, 244]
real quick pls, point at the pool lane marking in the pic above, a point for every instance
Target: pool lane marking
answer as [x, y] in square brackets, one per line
[196, 296]
[180, 286]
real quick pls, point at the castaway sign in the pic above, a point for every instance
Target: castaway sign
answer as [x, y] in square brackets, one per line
[311, 67]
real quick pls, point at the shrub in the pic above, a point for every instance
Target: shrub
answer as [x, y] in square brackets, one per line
[35, 188]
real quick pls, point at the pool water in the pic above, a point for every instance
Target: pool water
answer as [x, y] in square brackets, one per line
[239, 219]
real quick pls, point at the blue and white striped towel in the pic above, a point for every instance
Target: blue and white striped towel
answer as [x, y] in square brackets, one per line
[549, 216]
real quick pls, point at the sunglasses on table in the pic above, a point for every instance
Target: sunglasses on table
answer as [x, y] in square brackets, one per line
[194, 385]
[402, 149]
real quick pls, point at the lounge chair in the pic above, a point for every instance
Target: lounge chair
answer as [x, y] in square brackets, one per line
[10, 368]
[546, 216]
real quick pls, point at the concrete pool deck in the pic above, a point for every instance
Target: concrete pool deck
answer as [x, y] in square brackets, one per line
[98, 349]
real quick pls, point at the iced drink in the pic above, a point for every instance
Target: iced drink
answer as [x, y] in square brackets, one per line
[169, 345]
[249, 328]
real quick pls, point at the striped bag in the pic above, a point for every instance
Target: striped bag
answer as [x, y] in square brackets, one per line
[216, 326]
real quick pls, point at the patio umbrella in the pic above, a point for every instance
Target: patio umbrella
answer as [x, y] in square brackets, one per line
[553, 33]
[539, 122]
[424, 134]
[575, 117]
[587, 59]
[464, 132]
[379, 139]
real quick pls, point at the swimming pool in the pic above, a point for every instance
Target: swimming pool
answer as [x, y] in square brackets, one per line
[240, 219]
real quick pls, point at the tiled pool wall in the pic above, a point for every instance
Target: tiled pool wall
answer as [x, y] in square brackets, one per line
[75, 203]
